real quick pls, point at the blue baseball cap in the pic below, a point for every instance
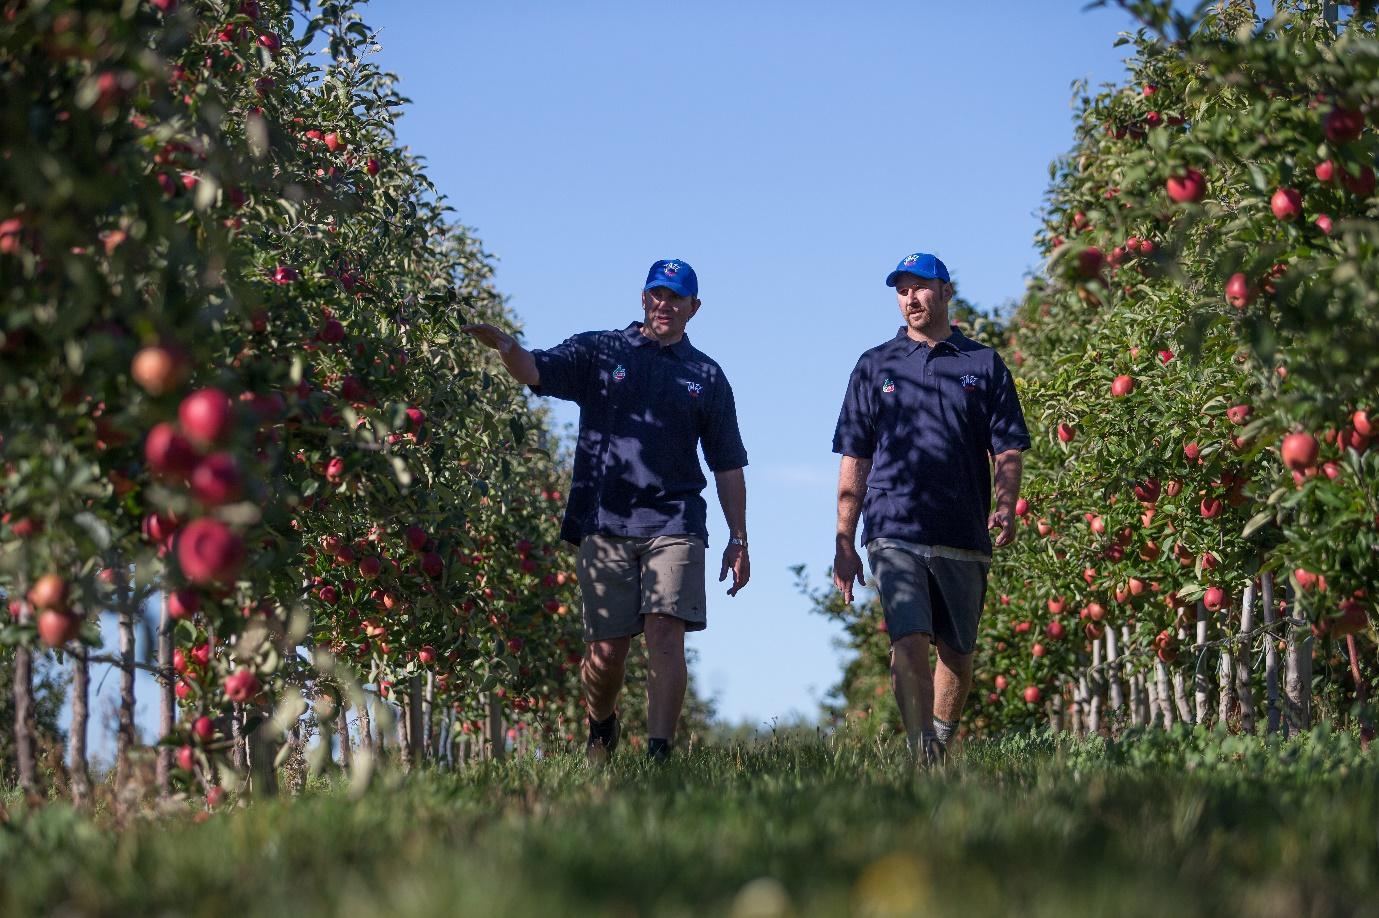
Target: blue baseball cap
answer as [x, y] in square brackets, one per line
[675, 274]
[920, 264]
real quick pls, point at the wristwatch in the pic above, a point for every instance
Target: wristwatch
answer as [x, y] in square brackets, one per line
[734, 540]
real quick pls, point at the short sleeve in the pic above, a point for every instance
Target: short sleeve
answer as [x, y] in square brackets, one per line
[721, 439]
[855, 434]
[1008, 429]
[566, 369]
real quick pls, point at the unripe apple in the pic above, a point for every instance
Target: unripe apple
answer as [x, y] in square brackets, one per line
[1188, 187]
[1286, 204]
[205, 416]
[209, 552]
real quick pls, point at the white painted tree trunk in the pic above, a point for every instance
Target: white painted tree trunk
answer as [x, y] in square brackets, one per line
[1113, 675]
[1200, 683]
[1266, 595]
[1164, 692]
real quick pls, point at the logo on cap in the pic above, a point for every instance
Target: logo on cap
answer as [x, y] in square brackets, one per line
[910, 259]
[620, 373]
[888, 385]
[671, 269]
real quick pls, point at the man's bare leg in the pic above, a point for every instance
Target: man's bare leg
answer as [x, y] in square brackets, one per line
[952, 682]
[913, 682]
[667, 675]
[601, 673]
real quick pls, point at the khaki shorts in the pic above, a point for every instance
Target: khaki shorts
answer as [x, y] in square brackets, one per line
[623, 578]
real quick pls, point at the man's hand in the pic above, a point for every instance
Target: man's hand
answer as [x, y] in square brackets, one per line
[847, 567]
[1006, 520]
[491, 336]
[735, 559]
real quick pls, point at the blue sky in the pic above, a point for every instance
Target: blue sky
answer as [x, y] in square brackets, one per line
[792, 153]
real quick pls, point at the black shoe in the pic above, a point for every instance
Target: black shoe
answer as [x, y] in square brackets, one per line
[658, 750]
[603, 739]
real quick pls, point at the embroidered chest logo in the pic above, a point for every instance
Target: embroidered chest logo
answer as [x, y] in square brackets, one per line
[969, 383]
[620, 373]
[888, 385]
[694, 389]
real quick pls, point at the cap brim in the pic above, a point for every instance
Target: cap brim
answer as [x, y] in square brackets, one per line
[669, 284]
[890, 278]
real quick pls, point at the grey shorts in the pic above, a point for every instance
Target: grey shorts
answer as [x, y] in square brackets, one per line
[930, 590]
[623, 578]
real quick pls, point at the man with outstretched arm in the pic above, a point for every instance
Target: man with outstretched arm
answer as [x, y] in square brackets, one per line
[926, 416]
[647, 400]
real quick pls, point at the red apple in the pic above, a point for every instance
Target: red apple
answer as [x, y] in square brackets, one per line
[1361, 183]
[372, 166]
[1343, 125]
[333, 141]
[1323, 223]
[1188, 187]
[1055, 631]
[1299, 451]
[432, 564]
[1001, 683]
[217, 480]
[1056, 605]
[57, 626]
[183, 603]
[158, 370]
[1325, 170]
[1214, 599]
[49, 592]
[1031, 694]
[1090, 261]
[186, 758]
[1037, 650]
[515, 644]
[1239, 414]
[1211, 508]
[1239, 293]
[1021, 507]
[1147, 491]
[203, 728]
[1066, 432]
[167, 452]
[1362, 424]
[205, 416]
[1286, 204]
[1122, 385]
[370, 567]
[209, 551]
[241, 686]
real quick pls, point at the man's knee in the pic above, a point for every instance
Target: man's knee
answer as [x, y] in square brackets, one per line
[911, 650]
[664, 633]
[959, 663]
[607, 656]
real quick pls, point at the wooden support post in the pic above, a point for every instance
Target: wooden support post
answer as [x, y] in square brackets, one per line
[1113, 675]
[1201, 684]
[1266, 595]
[1242, 661]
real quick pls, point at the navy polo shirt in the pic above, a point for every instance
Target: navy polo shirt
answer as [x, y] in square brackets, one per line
[927, 419]
[643, 411]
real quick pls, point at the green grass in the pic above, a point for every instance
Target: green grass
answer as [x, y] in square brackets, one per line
[1192, 823]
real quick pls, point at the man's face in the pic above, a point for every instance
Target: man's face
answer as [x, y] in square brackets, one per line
[667, 312]
[922, 299]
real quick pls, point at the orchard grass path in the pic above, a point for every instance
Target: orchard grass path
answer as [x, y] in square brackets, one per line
[1154, 824]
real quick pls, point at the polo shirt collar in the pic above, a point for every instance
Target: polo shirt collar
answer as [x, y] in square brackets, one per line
[633, 333]
[956, 341]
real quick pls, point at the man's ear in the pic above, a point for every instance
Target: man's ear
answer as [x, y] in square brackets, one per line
[948, 291]
[697, 303]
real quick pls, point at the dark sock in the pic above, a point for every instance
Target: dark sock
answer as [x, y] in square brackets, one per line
[657, 748]
[603, 729]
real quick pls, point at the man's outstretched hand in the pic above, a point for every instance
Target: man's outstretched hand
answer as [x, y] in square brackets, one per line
[847, 569]
[735, 560]
[490, 335]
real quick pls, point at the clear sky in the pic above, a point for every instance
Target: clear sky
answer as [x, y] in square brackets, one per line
[792, 153]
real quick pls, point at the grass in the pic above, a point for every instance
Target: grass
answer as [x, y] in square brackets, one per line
[1190, 822]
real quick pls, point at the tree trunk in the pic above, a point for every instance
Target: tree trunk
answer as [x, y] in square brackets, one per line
[415, 726]
[1165, 693]
[25, 727]
[237, 736]
[125, 737]
[496, 738]
[342, 733]
[365, 726]
[262, 753]
[1242, 662]
[1266, 591]
[1094, 687]
[427, 708]
[167, 699]
[1053, 710]
[81, 716]
[404, 741]
[1074, 709]
[1201, 684]
[1298, 686]
[1180, 693]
